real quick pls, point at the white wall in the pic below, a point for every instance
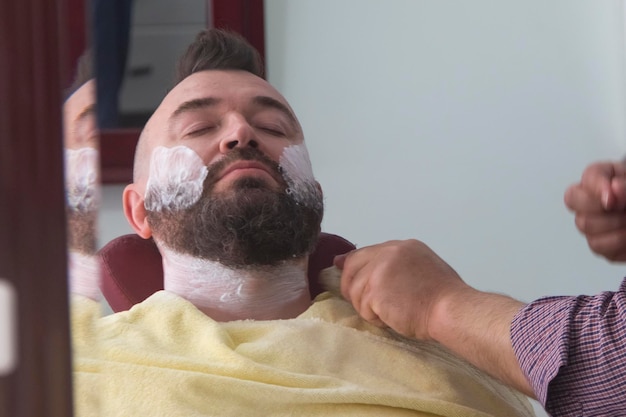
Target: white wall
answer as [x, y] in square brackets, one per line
[457, 123]
[460, 124]
[112, 220]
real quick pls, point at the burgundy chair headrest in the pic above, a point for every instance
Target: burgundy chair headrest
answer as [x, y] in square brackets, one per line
[132, 269]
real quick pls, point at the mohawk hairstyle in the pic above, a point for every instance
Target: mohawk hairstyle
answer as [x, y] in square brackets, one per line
[219, 49]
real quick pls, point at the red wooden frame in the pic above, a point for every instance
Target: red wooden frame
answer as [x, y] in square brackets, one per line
[118, 146]
[242, 16]
[33, 250]
[76, 19]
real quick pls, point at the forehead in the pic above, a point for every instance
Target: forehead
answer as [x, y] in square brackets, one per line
[80, 100]
[233, 87]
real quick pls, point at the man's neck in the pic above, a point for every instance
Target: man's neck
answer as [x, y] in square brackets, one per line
[226, 294]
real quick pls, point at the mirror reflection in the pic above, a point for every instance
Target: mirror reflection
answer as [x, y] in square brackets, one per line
[81, 142]
[83, 196]
[225, 194]
[415, 113]
[237, 227]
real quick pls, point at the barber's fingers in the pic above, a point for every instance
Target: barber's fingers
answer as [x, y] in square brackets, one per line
[611, 245]
[350, 264]
[340, 260]
[580, 200]
[604, 184]
[618, 189]
[360, 269]
[352, 275]
[597, 224]
[593, 192]
[361, 293]
[363, 298]
[371, 262]
[597, 177]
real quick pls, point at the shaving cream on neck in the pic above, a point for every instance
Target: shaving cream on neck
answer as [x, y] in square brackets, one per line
[225, 294]
[84, 275]
[176, 178]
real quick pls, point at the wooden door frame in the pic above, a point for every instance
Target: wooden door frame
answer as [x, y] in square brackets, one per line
[33, 251]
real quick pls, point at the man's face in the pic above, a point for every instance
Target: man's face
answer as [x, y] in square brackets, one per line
[229, 178]
[81, 168]
[213, 112]
[79, 118]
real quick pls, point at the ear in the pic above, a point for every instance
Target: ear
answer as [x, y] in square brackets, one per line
[135, 211]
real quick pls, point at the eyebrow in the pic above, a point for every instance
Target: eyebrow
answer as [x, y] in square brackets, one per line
[87, 111]
[266, 101]
[195, 104]
[263, 101]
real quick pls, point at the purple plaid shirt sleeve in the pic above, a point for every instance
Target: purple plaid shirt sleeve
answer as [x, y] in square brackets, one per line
[573, 352]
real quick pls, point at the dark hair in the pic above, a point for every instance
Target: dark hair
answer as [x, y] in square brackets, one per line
[219, 49]
[83, 73]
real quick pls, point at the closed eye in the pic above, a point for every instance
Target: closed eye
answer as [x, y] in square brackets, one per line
[272, 130]
[199, 131]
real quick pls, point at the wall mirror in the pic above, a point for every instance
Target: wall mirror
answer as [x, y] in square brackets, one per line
[136, 75]
[486, 95]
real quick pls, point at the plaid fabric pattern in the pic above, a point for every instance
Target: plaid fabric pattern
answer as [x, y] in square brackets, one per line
[573, 352]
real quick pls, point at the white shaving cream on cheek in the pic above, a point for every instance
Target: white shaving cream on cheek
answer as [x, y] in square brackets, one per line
[176, 178]
[298, 172]
[81, 179]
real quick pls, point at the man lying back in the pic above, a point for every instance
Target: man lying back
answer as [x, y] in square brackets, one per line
[224, 185]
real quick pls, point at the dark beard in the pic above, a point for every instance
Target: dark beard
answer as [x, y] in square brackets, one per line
[81, 230]
[248, 225]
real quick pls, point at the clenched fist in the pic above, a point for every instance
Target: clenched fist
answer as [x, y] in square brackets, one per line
[598, 202]
[398, 284]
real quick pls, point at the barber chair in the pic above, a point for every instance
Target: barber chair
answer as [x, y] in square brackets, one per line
[132, 269]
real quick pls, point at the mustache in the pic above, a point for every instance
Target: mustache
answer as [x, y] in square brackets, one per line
[242, 154]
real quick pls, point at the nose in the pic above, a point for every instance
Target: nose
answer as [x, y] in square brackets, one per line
[238, 134]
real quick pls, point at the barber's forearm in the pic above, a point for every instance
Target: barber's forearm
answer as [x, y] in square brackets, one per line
[476, 326]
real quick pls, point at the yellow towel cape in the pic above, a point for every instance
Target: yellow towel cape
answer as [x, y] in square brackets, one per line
[166, 358]
[88, 375]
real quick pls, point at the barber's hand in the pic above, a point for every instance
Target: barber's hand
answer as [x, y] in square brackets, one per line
[397, 284]
[599, 204]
